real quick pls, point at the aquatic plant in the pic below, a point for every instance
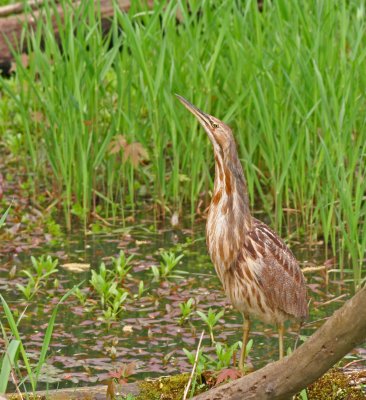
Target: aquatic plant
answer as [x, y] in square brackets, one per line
[3, 217]
[81, 296]
[42, 268]
[186, 309]
[141, 289]
[29, 289]
[201, 363]
[115, 305]
[7, 361]
[165, 270]
[224, 355]
[108, 289]
[10, 354]
[15, 348]
[211, 319]
[121, 265]
[207, 365]
[107, 284]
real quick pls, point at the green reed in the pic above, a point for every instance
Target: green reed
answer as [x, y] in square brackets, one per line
[290, 81]
[15, 348]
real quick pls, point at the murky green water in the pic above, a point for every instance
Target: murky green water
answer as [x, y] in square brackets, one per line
[84, 349]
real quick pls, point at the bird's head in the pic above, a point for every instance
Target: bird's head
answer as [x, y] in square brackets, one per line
[218, 132]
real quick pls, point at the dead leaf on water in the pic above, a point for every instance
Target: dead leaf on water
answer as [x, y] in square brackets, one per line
[140, 242]
[175, 219]
[76, 267]
[127, 328]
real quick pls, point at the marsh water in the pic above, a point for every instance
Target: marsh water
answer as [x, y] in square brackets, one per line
[85, 349]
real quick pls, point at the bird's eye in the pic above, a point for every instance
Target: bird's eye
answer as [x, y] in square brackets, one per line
[214, 125]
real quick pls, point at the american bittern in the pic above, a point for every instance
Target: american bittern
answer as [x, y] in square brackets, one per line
[258, 271]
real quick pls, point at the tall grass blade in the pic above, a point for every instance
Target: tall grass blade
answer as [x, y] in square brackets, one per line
[14, 329]
[7, 363]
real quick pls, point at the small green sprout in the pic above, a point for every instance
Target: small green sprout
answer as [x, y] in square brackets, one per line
[211, 319]
[166, 267]
[186, 310]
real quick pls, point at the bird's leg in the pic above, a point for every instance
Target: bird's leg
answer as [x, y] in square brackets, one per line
[281, 330]
[246, 329]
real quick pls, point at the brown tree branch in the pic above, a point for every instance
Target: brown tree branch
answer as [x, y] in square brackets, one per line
[282, 379]
[12, 21]
[17, 8]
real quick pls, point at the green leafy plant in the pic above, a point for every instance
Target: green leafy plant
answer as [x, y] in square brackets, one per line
[81, 296]
[53, 228]
[203, 363]
[211, 319]
[166, 267]
[107, 284]
[224, 355]
[3, 217]
[8, 361]
[141, 290]
[42, 268]
[15, 347]
[121, 265]
[28, 290]
[303, 394]
[249, 346]
[186, 309]
[104, 284]
[114, 306]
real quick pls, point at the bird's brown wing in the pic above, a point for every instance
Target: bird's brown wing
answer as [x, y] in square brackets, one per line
[277, 271]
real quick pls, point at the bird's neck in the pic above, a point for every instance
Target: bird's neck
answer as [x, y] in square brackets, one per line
[229, 216]
[230, 185]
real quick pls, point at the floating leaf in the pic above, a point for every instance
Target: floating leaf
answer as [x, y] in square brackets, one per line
[127, 328]
[76, 267]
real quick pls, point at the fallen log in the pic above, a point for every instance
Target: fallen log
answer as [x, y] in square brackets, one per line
[17, 8]
[14, 18]
[282, 379]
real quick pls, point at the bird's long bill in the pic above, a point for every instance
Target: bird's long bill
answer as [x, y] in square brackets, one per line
[202, 117]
